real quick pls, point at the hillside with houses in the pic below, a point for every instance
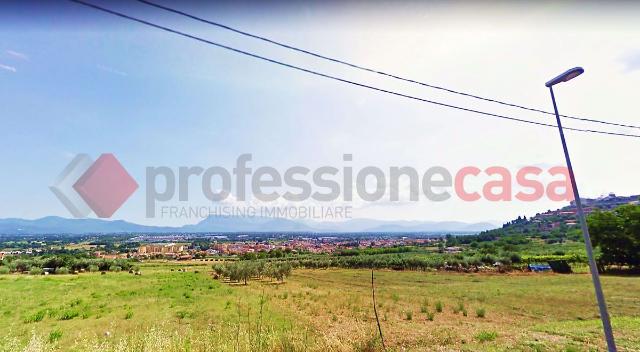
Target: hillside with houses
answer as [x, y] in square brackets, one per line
[561, 223]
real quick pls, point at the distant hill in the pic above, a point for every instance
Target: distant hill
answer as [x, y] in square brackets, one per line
[213, 224]
[371, 225]
[246, 224]
[557, 223]
[55, 224]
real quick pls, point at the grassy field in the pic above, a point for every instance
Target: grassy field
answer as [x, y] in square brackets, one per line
[167, 309]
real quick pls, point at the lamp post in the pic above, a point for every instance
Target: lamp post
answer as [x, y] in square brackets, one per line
[595, 276]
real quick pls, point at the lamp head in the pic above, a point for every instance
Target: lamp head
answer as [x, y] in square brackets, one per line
[565, 76]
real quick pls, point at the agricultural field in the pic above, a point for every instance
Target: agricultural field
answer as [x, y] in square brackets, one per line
[180, 307]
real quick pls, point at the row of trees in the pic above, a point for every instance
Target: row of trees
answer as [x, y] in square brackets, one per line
[64, 264]
[373, 251]
[242, 271]
[437, 262]
[457, 262]
[276, 253]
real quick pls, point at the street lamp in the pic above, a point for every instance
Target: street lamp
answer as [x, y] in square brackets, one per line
[595, 276]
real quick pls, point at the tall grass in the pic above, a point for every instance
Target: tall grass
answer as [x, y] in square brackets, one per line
[166, 338]
[424, 306]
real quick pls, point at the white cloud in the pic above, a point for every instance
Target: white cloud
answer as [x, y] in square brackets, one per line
[632, 62]
[111, 70]
[8, 68]
[18, 55]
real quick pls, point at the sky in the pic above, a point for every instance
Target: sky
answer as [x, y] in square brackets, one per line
[75, 80]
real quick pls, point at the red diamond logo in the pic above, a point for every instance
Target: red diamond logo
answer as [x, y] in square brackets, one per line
[105, 186]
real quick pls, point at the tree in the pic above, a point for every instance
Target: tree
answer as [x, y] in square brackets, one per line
[219, 269]
[617, 234]
[21, 265]
[279, 271]
[260, 268]
[246, 270]
[234, 272]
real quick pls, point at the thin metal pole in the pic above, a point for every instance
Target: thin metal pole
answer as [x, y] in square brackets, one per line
[375, 310]
[595, 276]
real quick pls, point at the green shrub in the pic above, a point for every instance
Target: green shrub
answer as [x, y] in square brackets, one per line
[129, 315]
[486, 336]
[4, 270]
[115, 268]
[35, 271]
[459, 308]
[515, 258]
[69, 314]
[62, 270]
[53, 312]
[93, 268]
[430, 316]
[408, 315]
[36, 317]
[480, 312]
[55, 335]
[395, 297]
[183, 314]
[439, 307]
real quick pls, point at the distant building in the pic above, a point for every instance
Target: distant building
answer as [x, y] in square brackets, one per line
[453, 249]
[609, 201]
[170, 248]
[110, 255]
[8, 253]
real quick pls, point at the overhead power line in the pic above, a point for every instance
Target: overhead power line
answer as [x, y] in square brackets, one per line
[360, 67]
[320, 74]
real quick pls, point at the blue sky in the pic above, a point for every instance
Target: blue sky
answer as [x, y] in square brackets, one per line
[73, 80]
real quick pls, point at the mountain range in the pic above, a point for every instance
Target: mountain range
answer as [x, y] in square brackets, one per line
[219, 224]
